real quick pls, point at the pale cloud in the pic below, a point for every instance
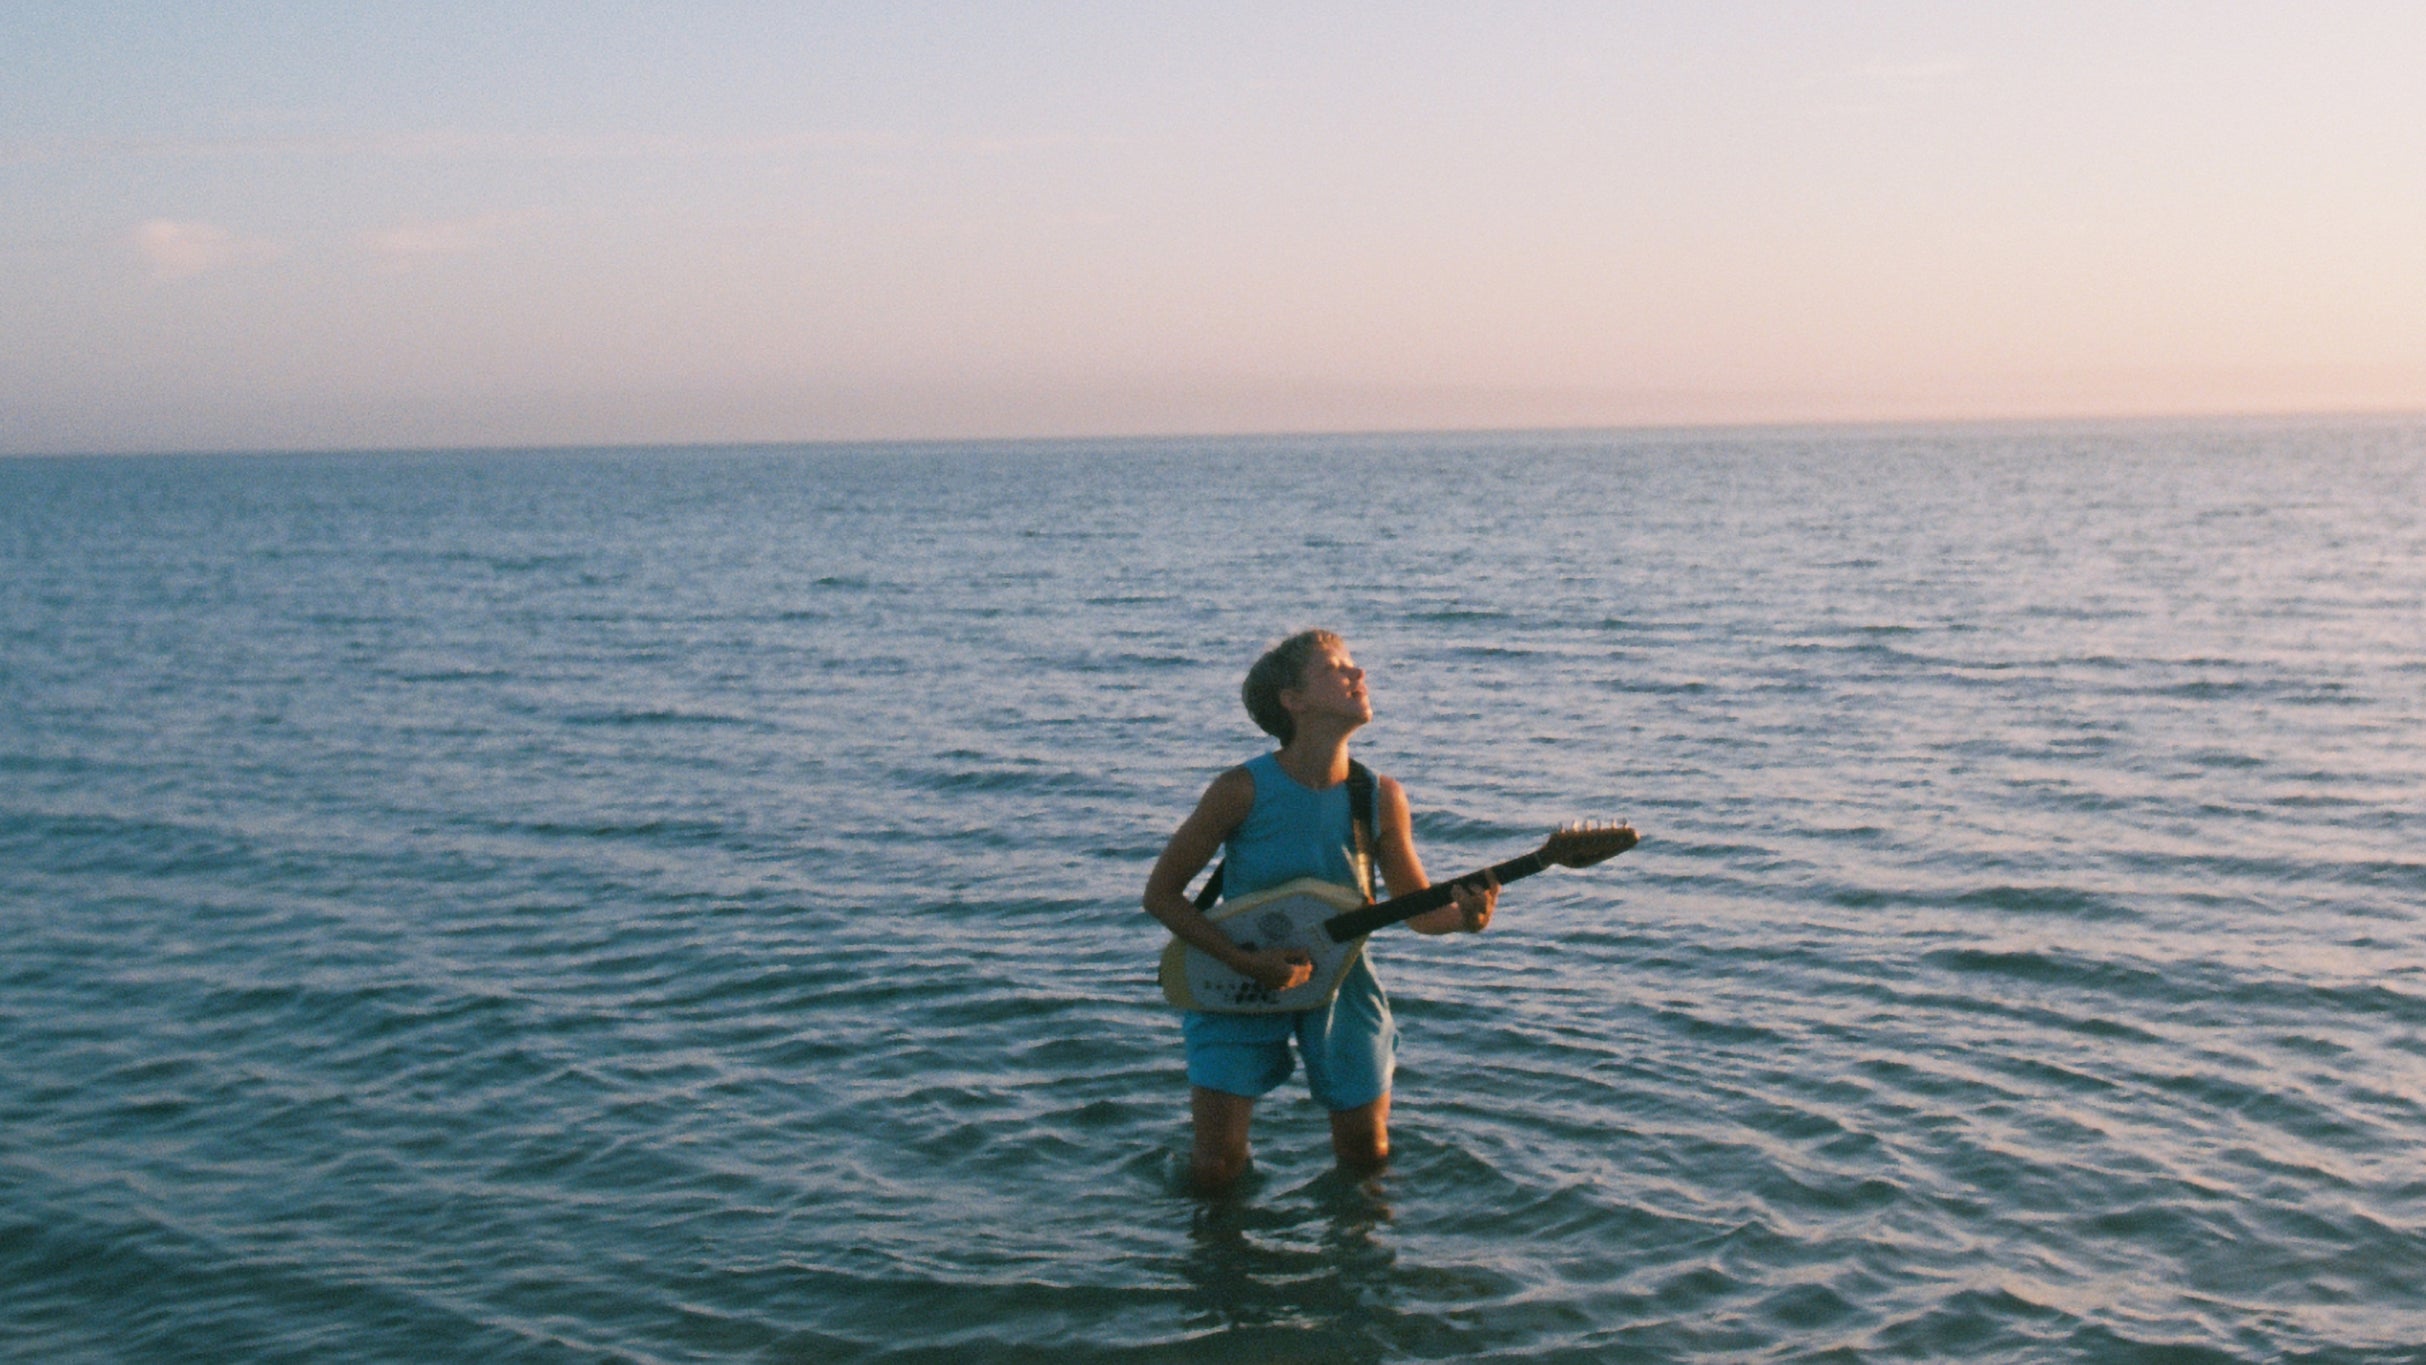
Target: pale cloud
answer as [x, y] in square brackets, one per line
[179, 250]
[406, 243]
[448, 145]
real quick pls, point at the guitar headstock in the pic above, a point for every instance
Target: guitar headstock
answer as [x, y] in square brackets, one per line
[1584, 845]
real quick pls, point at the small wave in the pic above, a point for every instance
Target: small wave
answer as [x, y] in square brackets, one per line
[654, 716]
[2045, 900]
[1985, 1324]
[194, 1288]
[2320, 801]
[1445, 616]
[1151, 661]
[2390, 874]
[519, 564]
[671, 831]
[2207, 689]
[1737, 854]
[2323, 694]
[1071, 533]
[1036, 778]
[79, 843]
[1806, 1308]
[46, 763]
[2274, 1107]
[448, 675]
[2048, 968]
[1658, 687]
[2363, 999]
[1448, 827]
[1853, 1194]
[1707, 1030]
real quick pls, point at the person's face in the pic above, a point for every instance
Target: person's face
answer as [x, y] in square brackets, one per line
[1332, 685]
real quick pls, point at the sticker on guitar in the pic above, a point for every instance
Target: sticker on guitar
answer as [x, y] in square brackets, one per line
[1273, 929]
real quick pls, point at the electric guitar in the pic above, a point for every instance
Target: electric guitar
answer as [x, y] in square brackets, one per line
[1328, 922]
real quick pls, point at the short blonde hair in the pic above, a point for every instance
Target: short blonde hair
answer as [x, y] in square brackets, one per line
[1282, 668]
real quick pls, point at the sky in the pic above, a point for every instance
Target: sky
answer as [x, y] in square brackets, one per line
[250, 226]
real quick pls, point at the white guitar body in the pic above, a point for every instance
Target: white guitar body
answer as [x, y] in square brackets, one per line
[1292, 915]
[1286, 916]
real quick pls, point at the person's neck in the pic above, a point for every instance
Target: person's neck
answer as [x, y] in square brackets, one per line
[1316, 756]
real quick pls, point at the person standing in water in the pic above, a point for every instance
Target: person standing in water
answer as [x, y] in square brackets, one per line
[1278, 817]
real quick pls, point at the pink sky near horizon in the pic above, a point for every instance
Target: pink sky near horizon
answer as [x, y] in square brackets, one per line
[275, 226]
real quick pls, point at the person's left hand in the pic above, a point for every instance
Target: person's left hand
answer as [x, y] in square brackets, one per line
[1476, 901]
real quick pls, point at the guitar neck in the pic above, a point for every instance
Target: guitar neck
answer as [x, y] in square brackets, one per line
[1358, 923]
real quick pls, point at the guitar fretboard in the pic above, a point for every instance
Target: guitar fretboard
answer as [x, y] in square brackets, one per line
[1358, 923]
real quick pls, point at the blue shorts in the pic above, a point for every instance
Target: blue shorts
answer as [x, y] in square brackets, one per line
[1350, 1046]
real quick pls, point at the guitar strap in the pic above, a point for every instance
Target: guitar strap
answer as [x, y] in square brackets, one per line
[1360, 820]
[1360, 824]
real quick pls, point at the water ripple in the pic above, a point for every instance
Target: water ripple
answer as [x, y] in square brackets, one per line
[662, 905]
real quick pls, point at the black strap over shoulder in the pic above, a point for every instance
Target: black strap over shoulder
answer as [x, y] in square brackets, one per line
[1362, 822]
[1363, 825]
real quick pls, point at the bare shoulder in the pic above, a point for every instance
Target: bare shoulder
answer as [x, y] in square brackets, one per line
[1395, 824]
[1392, 795]
[1232, 794]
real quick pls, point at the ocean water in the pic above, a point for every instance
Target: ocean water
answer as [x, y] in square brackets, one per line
[669, 905]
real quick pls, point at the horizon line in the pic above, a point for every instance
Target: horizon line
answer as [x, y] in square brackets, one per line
[2083, 419]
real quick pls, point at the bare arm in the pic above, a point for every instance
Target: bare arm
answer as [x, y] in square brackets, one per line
[1402, 870]
[1218, 814]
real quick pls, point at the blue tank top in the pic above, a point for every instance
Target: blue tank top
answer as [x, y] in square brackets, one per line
[1291, 831]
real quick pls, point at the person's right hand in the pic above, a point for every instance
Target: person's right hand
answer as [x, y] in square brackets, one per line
[1278, 969]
